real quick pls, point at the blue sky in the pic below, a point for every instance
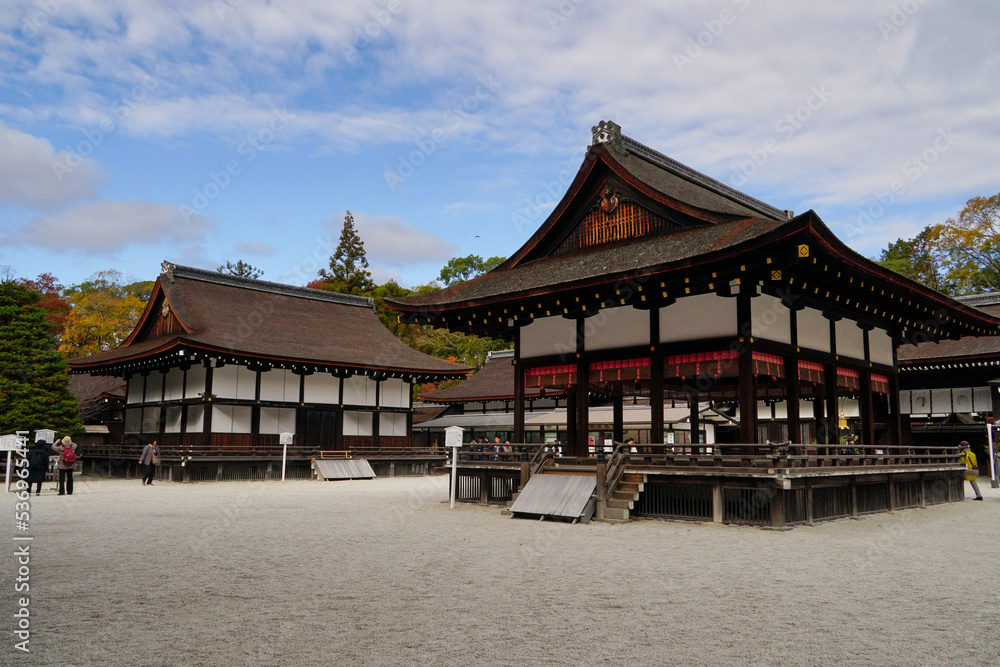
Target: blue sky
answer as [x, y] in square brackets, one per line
[133, 132]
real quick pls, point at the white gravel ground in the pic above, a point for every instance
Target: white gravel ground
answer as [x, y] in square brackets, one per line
[382, 572]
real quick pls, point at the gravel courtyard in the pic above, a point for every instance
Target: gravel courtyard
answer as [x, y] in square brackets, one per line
[383, 572]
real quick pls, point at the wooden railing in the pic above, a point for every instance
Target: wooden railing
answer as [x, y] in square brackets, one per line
[784, 456]
[616, 466]
[790, 456]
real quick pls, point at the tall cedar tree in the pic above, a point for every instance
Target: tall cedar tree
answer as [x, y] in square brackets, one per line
[348, 271]
[33, 375]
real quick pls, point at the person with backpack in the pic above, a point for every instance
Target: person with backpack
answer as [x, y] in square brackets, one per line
[67, 461]
[38, 464]
[150, 458]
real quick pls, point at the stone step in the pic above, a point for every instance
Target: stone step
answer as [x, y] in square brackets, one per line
[619, 504]
[616, 514]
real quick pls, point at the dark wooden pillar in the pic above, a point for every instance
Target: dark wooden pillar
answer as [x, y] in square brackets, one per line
[518, 435]
[747, 394]
[695, 418]
[832, 408]
[655, 379]
[618, 414]
[867, 409]
[819, 414]
[792, 395]
[582, 393]
[571, 420]
[207, 403]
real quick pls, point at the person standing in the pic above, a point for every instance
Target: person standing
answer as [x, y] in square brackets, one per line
[67, 462]
[38, 465]
[969, 459]
[150, 458]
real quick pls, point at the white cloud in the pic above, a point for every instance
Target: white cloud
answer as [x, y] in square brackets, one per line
[108, 226]
[390, 241]
[256, 248]
[33, 174]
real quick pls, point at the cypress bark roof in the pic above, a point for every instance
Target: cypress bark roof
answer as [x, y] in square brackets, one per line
[964, 348]
[493, 382]
[226, 316]
[634, 219]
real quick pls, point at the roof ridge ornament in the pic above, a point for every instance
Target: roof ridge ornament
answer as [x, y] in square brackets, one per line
[607, 132]
[167, 269]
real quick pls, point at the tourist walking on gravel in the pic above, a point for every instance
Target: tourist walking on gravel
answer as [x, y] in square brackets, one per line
[969, 459]
[67, 462]
[38, 465]
[150, 458]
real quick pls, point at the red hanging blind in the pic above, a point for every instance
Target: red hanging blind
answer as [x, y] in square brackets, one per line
[848, 378]
[811, 371]
[620, 370]
[880, 384]
[550, 376]
[711, 364]
[768, 364]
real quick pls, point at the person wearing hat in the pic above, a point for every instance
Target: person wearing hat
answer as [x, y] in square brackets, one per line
[38, 464]
[67, 461]
[969, 459]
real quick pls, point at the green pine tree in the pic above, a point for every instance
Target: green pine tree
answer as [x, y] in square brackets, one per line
[348, 272]
[33, 375]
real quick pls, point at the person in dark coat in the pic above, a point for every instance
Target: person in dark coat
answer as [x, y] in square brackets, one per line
[38, 465]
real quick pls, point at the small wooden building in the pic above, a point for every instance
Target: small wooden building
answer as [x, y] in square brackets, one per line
[950, 390]
[650, 278]
[218, 366]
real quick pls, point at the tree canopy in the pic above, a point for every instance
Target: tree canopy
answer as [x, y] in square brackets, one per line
[33, 375]
[241, 269]
[460, 269]
[105, 309]
[958, 256]
[348, 271]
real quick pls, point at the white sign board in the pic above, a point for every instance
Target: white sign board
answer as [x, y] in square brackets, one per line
[12, 443]
[453, 436]
[46, 434]
[285, 438]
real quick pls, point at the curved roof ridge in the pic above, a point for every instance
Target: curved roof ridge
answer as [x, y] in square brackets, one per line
[171, 271]
[609, 132]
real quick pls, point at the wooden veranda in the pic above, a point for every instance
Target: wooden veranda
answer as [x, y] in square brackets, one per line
[775, 485]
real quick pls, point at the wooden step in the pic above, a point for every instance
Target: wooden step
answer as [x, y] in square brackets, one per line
[629, 487]
[633, 477]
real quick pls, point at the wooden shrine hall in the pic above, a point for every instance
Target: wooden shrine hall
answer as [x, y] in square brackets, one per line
[652, 279]
[219, 366]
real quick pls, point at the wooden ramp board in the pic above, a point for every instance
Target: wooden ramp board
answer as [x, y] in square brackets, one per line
[563, 496]
[344, 469]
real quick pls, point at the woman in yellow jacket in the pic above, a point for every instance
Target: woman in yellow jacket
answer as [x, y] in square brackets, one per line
[969, 459]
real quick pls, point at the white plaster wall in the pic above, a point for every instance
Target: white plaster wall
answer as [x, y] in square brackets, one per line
[322, 388]
[880, 347]
[813, 330]
[173, 385]
[195, 382]
[697, 317]
[614, 328]
[548, 335]
[850, 339]
[771, 319]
